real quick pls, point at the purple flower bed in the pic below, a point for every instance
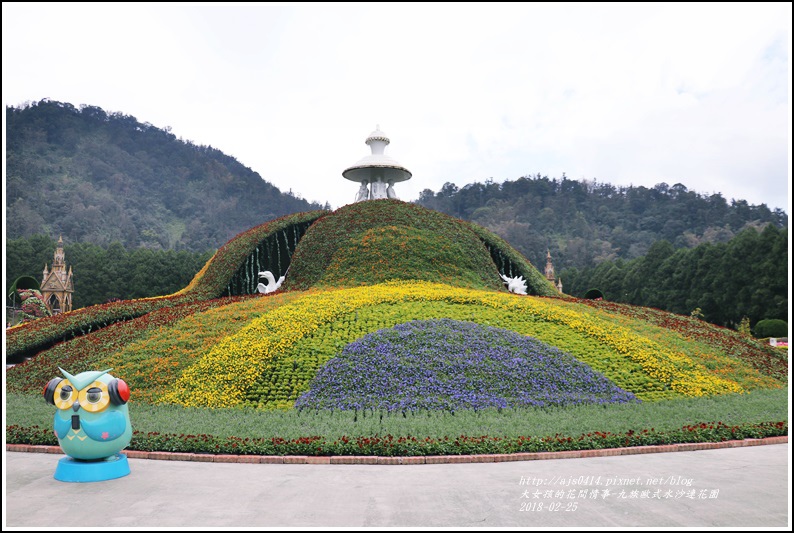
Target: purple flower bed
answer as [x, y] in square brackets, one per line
[451, 365]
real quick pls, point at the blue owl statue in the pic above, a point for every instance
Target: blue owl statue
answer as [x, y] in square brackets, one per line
[92, 425]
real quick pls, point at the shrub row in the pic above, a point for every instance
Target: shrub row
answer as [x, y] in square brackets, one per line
[390, 445]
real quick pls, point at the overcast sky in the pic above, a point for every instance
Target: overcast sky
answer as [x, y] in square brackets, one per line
[697, 94]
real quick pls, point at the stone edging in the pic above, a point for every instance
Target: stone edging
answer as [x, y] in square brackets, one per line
[420, 459]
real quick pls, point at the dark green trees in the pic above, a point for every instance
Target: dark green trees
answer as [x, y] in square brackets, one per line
[583, 223]
[102, 274]
[745, 277]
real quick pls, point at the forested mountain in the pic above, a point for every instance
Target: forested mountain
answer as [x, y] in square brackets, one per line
[100, 178]
[97, 177]
[585, 223]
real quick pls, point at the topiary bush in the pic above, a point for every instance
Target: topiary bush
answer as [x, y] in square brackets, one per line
[594, 294]
[771, 327]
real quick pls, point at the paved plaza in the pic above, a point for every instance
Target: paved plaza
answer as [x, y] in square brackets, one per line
[731, 487]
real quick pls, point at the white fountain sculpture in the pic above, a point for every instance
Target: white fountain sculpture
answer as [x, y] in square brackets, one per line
[272, 284]
[517, 284]
[363, 192]
[377, 173]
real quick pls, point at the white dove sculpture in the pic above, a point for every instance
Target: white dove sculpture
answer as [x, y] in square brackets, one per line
[272, 284]
[517, 285]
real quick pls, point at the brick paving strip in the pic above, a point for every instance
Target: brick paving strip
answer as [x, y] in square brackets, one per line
[419, 459]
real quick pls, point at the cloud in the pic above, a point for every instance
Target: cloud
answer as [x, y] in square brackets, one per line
[628, 94]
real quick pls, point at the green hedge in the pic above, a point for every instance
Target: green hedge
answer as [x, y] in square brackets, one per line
[390, 445]
[771, 327]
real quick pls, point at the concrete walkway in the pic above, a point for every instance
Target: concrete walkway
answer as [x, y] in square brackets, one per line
[728, 487]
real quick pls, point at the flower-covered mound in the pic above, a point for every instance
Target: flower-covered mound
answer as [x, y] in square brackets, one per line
[369, 267]
[452, 365]
[396, 252]
[381, 240]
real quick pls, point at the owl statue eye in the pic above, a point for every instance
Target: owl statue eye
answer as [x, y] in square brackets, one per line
[94, 395]
[66, 393]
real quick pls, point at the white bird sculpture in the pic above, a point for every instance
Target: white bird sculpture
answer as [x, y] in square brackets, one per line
[517, 285]
[272, 284]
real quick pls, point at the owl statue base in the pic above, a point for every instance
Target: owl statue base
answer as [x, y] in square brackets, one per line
[79, 471]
